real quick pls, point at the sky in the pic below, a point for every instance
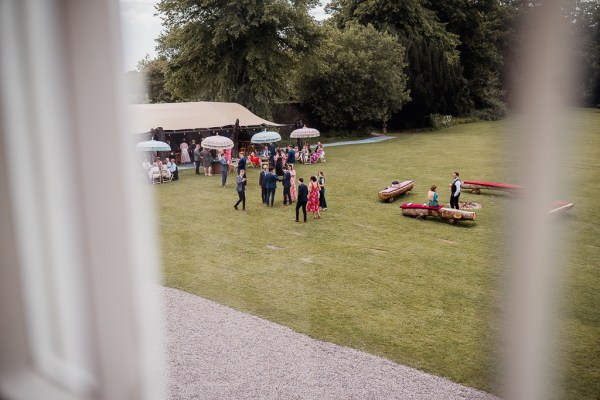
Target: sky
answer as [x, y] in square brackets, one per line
[140, 28]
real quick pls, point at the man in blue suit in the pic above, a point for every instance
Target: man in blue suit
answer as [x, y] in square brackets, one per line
[287, 187]
[302, 199]
[271, 183]
[272, 151]
[291, 156]
[241, 163]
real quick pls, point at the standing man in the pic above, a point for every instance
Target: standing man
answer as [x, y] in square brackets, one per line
[271, 180]
[287, 185]
[191, 149]
[241, 190]
[454, 191]
[272, 155]
[224, 168]
[291, 156]
[302, 199]
[241, 163]
[262, 182]
[197, 158]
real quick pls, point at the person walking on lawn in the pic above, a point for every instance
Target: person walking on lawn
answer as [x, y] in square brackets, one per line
[313, 197]
[302, 199]
[271, 180]
[224, 170]
[241, 190]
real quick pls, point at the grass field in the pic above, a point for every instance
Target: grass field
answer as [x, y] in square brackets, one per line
[420, 293]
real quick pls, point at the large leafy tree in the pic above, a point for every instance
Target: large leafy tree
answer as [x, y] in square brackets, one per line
[481, 28]
[409, 20]
[234, 50]
[419, 30]
[437, 84]
[355, 77]
[582, 19]
[153, 72]
[586, 18]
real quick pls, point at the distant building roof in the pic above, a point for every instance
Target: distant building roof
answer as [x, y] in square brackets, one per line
[189, 116]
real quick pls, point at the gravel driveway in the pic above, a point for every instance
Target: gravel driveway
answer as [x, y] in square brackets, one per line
[215, 352]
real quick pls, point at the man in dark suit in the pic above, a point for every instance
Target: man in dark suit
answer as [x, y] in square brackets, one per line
[302, 199]
[262, 182]
[271, 183]
[291, 156]
[241, 163]
[272, 155]
[287, 186]
[197, 158]
[455, 191]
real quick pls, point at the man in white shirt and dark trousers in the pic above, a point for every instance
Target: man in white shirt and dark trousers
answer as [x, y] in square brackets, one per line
[454, 191]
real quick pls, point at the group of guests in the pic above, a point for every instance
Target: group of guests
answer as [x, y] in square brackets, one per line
[278, 157]
[165, 170]
[309, 198]
[454, 193]
[204, 157]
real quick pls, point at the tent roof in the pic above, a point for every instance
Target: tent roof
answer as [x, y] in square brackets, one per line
[188, 116]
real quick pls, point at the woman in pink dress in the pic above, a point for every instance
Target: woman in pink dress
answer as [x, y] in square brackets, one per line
[313, 197]
[185, 156]
[292, 181]
[316, 155]
[228, 155]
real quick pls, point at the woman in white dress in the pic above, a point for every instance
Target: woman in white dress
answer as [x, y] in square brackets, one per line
[185, 156]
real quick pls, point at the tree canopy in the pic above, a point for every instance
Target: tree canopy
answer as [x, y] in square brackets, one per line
[447, 57]
[418, 29]
[355, 76]
[234, 50]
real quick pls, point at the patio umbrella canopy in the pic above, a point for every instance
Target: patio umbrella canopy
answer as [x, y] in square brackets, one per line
[153, 145]
[217, 143]
[304, 133]
[266, 137]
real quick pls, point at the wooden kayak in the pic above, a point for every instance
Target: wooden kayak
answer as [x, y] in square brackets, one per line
[389, 194]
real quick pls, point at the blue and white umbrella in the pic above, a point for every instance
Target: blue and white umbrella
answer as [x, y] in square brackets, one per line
[266, 137]
[152, 145]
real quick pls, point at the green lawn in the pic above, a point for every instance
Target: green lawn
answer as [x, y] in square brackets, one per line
[420, 293]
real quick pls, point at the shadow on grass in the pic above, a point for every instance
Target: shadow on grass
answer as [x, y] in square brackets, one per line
[459, 224]
[501, 195]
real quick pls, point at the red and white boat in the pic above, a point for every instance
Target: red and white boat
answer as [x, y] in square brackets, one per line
[476, 186]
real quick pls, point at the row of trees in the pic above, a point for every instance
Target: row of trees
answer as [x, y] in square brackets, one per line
[371, 62]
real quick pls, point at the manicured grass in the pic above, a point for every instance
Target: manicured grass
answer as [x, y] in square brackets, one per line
[420, 293]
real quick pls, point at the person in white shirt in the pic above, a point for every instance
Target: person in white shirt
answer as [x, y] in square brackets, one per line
[454, 191]
[172, 166]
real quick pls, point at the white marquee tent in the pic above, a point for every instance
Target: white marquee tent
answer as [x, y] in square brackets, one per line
[191, 116]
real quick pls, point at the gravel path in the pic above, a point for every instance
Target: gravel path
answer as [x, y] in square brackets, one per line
[215, 352]
[361, 141]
